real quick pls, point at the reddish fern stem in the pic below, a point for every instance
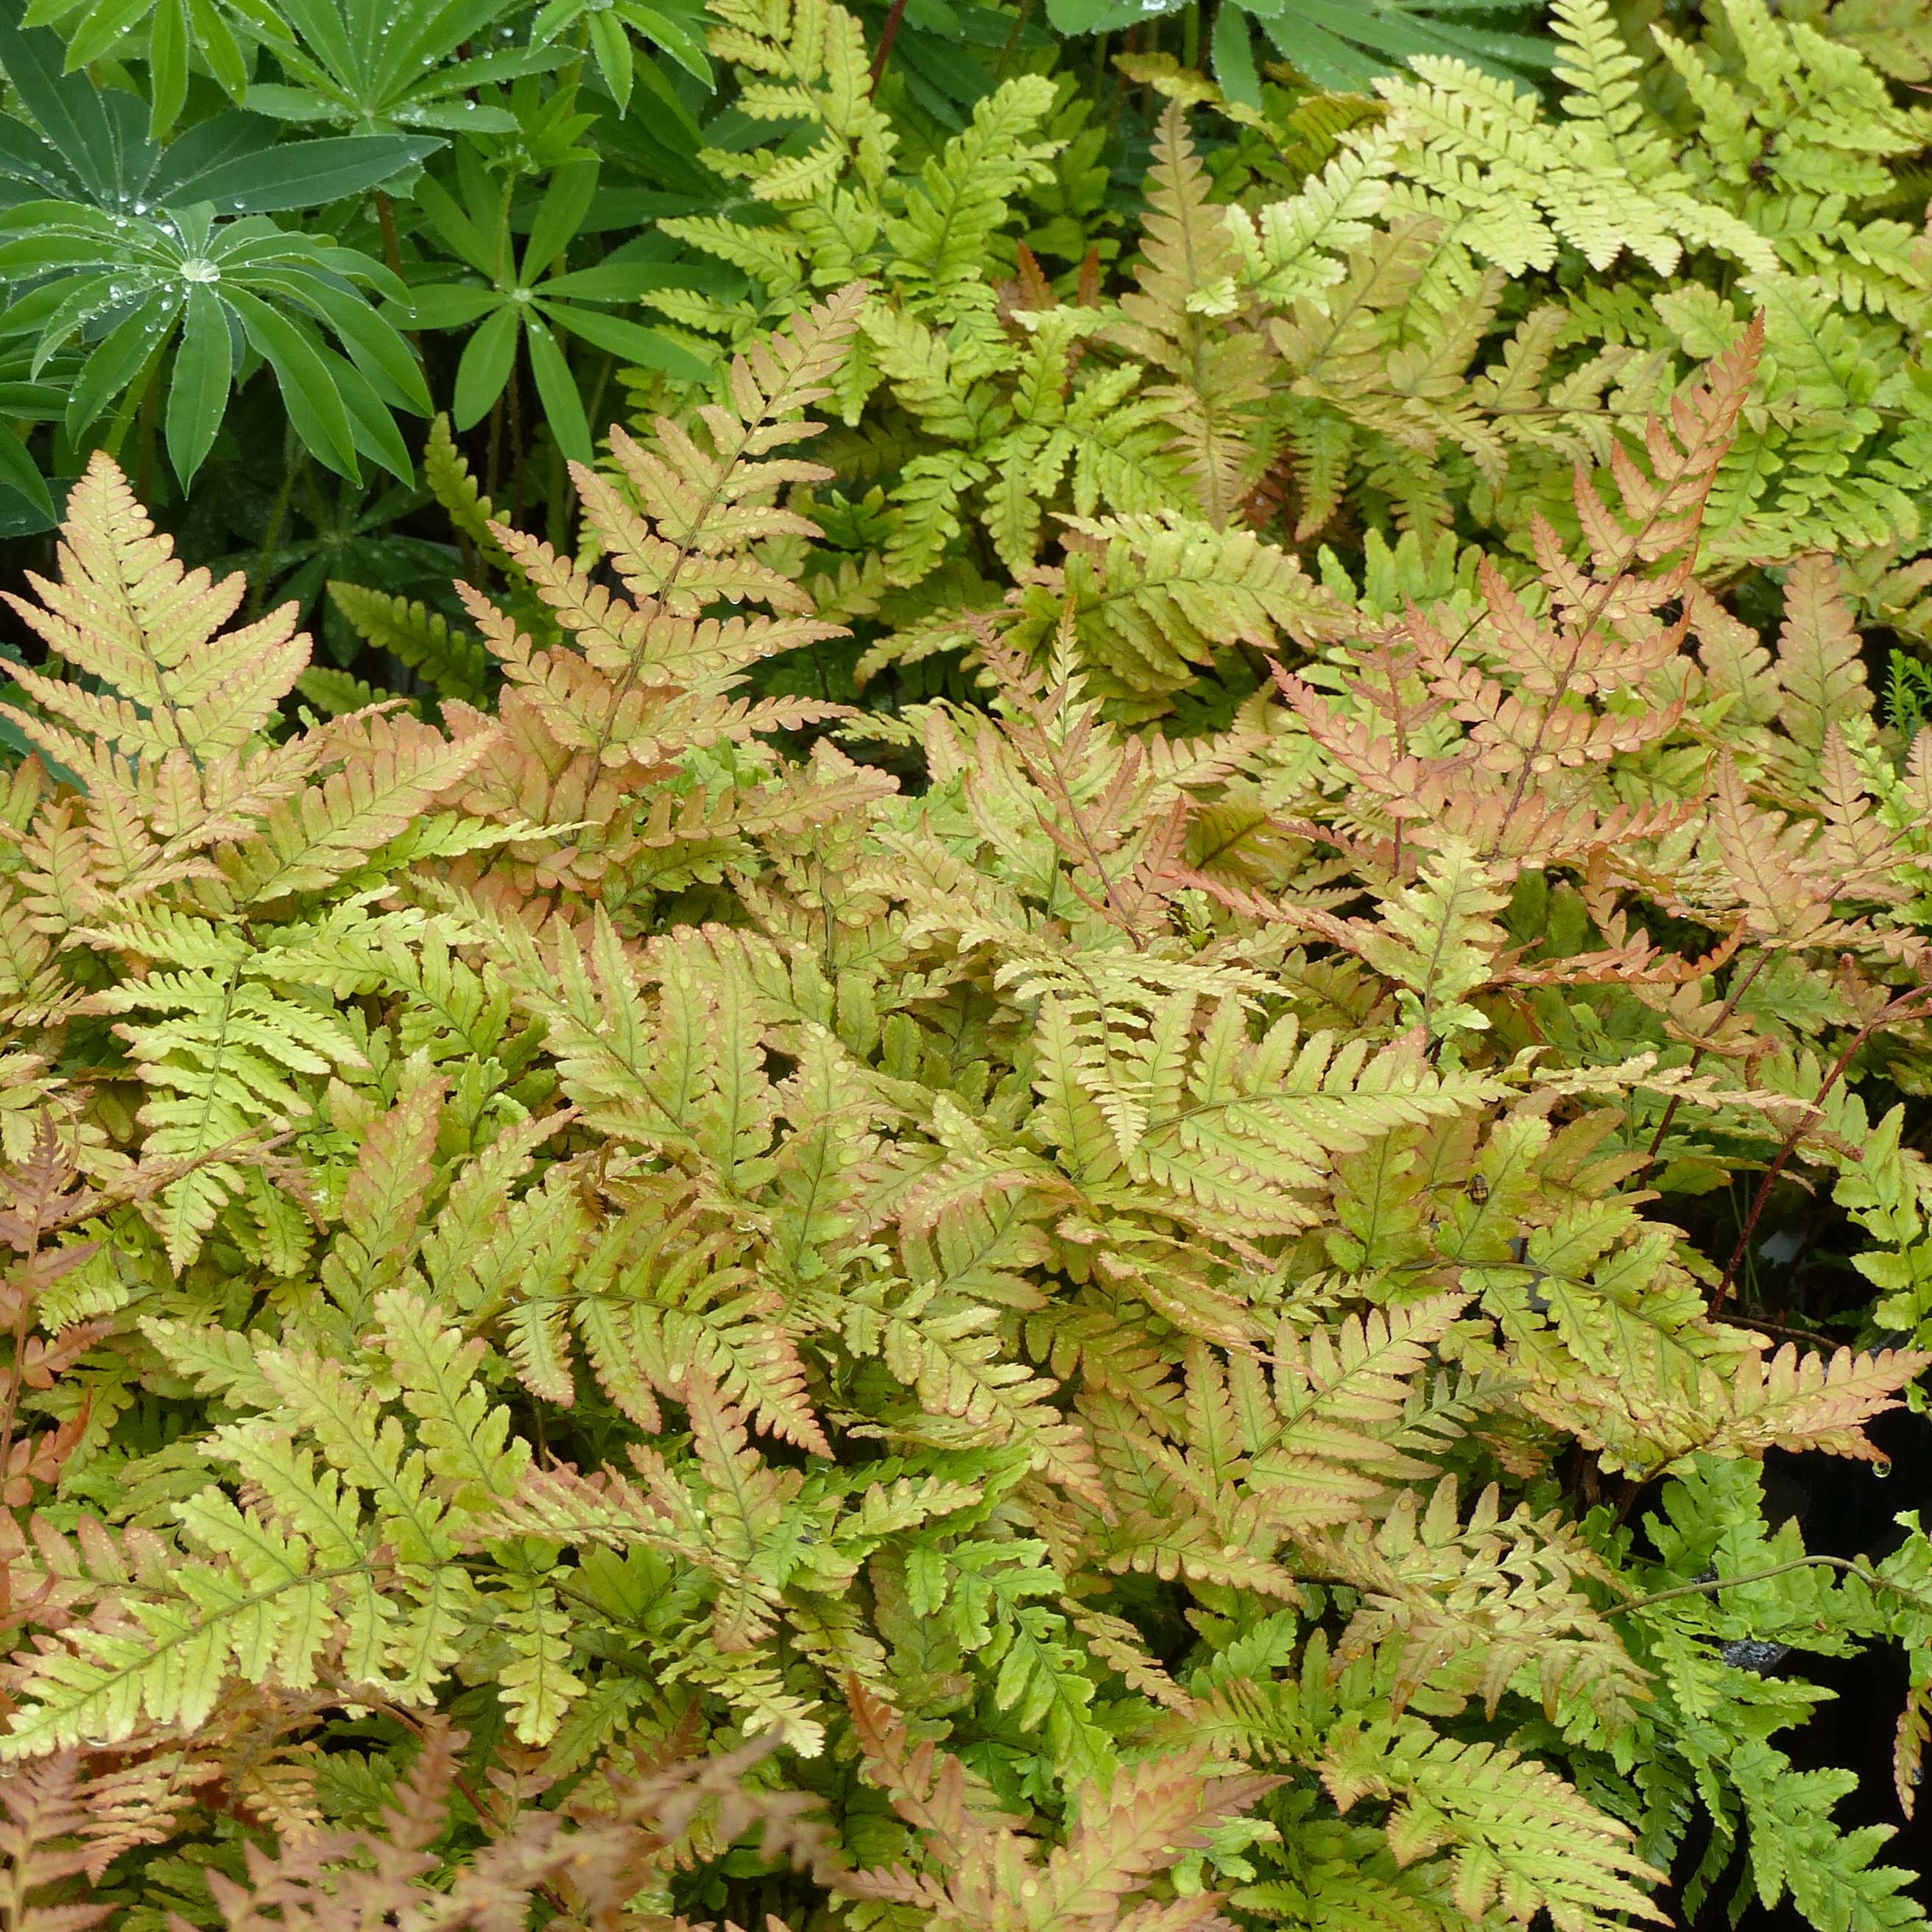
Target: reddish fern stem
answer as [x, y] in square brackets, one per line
[886, 40]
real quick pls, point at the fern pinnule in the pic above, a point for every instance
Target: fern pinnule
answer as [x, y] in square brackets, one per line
[1579, 687]
[1153, 597]
[1132, 1254]
[1477, 1609]
[1815, 1402]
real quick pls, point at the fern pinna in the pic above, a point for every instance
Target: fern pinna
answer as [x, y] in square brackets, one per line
[614, 1319]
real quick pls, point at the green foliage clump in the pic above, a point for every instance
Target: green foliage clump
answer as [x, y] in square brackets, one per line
[617, 1318]
[1059, 1110]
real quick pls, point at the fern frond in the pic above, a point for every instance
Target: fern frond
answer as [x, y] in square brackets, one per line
[454, 664]
[1524, 1841]
[42, 1840]
[1155, 598]
[128, 614]
[942, 241]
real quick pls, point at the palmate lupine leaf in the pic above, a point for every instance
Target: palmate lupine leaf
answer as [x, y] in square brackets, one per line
[97, 156]
[1343, 48]
[530, 301]
[352, 63]
[141, 283]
